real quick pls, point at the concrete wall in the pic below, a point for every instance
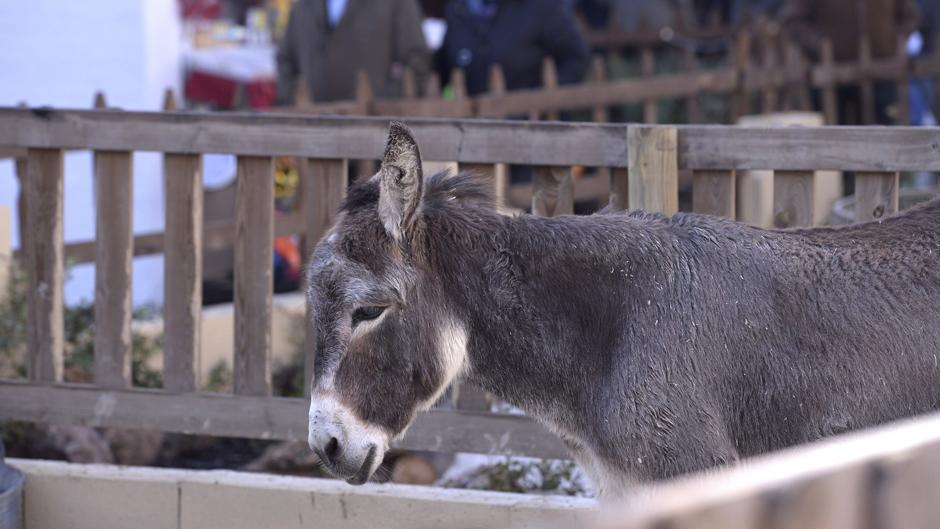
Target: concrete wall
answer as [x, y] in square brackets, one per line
[94, 496]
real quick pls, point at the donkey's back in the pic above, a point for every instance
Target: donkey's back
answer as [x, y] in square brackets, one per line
[820, 331]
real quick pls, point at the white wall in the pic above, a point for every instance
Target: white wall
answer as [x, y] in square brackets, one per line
[59, 53]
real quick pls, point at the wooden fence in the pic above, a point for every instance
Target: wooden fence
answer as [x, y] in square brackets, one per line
[644, 163]
[763, 73]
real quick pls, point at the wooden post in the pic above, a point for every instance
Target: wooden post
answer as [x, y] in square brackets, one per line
[22, 176]
[771, 78]
[182, 271]
[866, 83]
[324, 191]
[303, 99]
[182, 251]
[799, 79]
[409, 84]
[114, 247]
[598, 76]
[552, 191]
[648, 66]
[903, 117]
[713, 193]
[830, 106]
[793, 198]
[254, 255]
[740, 100]
[433, 88]
[876, 195]
[692, 109]
[45, 265]
[619, 189]
[458, 82]
[654, 168]
[549, 84]
[364, 95]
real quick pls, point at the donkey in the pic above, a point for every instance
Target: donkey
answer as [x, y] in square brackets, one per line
[652, 345]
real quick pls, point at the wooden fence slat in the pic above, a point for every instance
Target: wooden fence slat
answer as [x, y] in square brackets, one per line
[903, 80]
[901, 499]
[475, 141]
[261, 418]
[740, 100]
[493, 172]
[693, 110]
[619, 189]
[876, 195]
[324, 189]
[45, 264]
[549, 83]
[830, 105]
[653, 166]
[254, 242]
[114, 241]
[793, 198]
[866, 83]
[713, 193]
[648, 68]
[21, 167]
[598, 76]
[552, 191]
[183, 252]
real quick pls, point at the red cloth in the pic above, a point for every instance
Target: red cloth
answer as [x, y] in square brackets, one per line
[220, 91]
[201, 9]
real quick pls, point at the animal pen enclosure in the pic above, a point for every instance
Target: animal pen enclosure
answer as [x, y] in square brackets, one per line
[644, 163]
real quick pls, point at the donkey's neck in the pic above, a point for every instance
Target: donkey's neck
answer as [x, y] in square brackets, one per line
[540, 299]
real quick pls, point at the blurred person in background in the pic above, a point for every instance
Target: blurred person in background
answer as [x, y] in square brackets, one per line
[328, 41]
[516, 34]
[845, 23]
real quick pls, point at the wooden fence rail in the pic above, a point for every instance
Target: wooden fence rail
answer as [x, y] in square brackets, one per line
[885, 478]
[644, 162]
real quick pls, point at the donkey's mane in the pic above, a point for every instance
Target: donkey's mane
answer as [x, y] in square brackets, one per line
[440, 190]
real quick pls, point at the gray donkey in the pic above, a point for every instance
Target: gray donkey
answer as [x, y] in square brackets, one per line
[651, 345]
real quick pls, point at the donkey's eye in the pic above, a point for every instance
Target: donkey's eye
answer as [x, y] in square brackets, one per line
[366, 313]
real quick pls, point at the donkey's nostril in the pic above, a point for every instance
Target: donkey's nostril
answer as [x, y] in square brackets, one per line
[331, 451]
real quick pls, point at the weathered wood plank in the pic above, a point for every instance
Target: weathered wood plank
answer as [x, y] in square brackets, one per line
[793, 198]
[810, 148]
[182, 307]
[589, 95]
[114, 236]
[45, 265]
[477, 141]
[873, 478]
[648, 69]
[254, 254]
[902, 498]
[619, 189]
[492, 172]
[552, 191]
[713, 193]
[260, 418]
[324, 190]
[822, 78]
[653, 166]
[876, 195]
[215, 236]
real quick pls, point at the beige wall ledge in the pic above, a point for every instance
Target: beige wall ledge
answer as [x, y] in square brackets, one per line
[94, 496]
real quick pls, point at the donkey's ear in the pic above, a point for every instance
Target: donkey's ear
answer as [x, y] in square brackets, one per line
[400, 182]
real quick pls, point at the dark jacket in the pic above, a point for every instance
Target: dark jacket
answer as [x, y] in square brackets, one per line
[518, 37]
[844, 22]
[378, 36]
